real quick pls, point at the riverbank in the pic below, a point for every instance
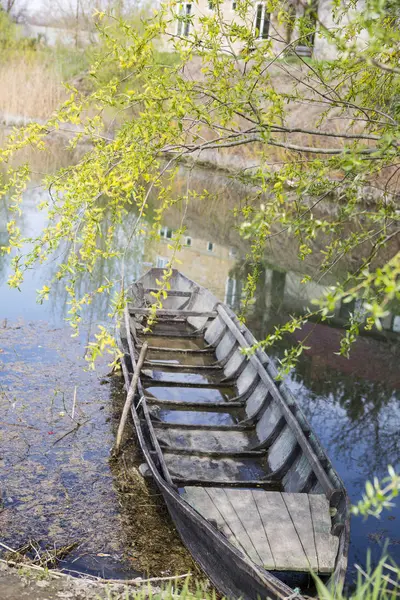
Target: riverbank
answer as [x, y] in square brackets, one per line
[27, 584]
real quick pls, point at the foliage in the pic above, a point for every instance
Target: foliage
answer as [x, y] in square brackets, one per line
[225, 89]
[378, 495]
[379, 583]
[7, 30]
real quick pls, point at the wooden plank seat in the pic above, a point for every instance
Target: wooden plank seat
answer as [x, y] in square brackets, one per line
[178, 350]
[187, 336]
[209, 417]
[279, 531]
[194, 404]
[171, 293]
[166, 312]
[156, 364]
[225, 440]
[224, 468]
[194, 380]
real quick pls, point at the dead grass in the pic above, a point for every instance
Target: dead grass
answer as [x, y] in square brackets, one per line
[30, 89]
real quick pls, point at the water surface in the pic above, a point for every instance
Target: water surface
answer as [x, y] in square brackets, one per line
[60, 488]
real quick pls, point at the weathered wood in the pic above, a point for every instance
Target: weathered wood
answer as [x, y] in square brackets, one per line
[187, 384]
[129, 398]
[333, 493]
[245, 506]
[179, 350]
[231, 460]
[233, 519]
[259, 484]
[189, 303]
[215, 453]
[166, 365]
[185, 404]
[135, 415]
[204, 467]
[186, 336]
[201, 500]
[168, 312]
[162, 424]
[207, 440]
[285, 544]
[326, 544]
[169, 292]
[298, 507]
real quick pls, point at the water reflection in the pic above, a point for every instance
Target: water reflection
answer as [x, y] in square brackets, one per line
[352, 404]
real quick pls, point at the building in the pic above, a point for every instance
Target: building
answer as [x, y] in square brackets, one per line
[264, 24]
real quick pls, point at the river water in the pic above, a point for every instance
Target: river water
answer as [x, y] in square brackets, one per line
[58, 421]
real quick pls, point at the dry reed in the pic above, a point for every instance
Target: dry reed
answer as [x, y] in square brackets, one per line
[29, 89]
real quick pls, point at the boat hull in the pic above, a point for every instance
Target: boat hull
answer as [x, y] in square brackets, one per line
[231, 570]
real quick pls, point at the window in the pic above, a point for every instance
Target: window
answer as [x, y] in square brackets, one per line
[188, 241]
[210, 246]
[210, 5]
[166, 232]
[184, 22]
[233, 5]
[230, 291]
[232, 252]
[161, 262]
[261, 22]
[396, 324]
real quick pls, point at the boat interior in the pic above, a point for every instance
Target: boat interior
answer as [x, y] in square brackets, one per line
[230, 438]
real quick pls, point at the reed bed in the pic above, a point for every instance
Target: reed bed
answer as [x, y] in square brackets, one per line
[30, 89]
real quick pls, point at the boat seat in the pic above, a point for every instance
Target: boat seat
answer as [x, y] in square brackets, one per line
[229, 440]
[232, 470]
[278, 531]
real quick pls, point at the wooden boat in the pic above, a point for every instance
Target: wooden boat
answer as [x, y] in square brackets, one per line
[248, 485]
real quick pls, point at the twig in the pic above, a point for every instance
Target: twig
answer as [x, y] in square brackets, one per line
[139, 580]
[54, 573]
[8, 548]
[34, 567]
[77, 426]
[130, 397]
[73, 405]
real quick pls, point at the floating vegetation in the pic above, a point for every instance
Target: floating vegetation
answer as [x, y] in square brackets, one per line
[57, 490]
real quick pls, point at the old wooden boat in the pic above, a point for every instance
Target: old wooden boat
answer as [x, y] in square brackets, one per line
[248, 485]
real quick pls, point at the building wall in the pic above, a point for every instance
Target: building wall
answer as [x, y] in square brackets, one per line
[322, 49]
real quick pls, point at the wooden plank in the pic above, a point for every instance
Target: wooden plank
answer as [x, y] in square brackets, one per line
[201, 501]
[193, 404]
[147, 374]
[299, 509]
[258, 484]
[231, 516]
[286, 547]
[180, 350]
[216, 453]
[326, 544]
[245, 505]
[205, 427]
[168, 312]
[169, 292]
[167, 365]
[207, 440]
[187, 336]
